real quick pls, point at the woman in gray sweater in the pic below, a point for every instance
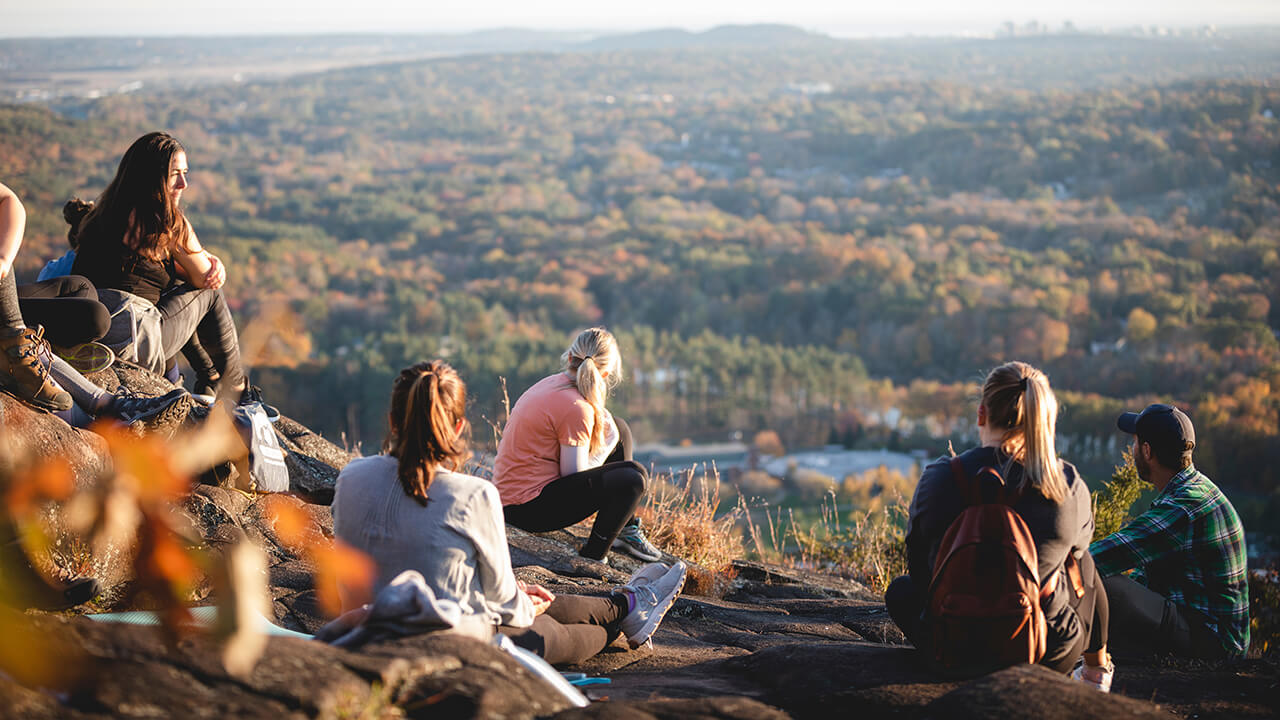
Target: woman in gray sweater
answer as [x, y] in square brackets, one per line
[410, 509]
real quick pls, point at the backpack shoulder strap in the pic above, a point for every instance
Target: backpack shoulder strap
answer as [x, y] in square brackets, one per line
[971, 487]
[965, 484]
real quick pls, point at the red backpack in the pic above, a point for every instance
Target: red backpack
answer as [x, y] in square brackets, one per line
[985, 597]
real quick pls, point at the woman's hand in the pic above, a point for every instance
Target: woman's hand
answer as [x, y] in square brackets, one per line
[217, 274]
[538, 595]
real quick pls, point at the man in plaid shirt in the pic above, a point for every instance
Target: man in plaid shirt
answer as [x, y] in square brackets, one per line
[1189, 592]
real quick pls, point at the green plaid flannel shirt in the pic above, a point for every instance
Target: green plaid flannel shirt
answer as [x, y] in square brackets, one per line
[1189, 547]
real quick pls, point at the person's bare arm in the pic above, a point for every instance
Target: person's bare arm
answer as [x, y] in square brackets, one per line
[13, 221]
[201, 268]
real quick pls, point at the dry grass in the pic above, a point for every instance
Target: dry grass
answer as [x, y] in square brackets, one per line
[681, 519]
[868, 546]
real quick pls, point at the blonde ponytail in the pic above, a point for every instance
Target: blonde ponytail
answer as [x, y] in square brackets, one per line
[593, 361]
[1020, 403]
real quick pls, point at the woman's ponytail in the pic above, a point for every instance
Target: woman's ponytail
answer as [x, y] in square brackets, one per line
[595, 365]
[428, 401]
[1020, 403]
[74, 212]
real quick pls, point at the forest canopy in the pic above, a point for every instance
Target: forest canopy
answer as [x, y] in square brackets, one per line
[832, 242]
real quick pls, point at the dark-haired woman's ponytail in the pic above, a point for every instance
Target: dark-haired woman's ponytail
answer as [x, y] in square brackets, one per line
[74, 212]
[427, 405]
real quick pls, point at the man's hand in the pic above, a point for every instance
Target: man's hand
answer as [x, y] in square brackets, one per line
[5, 268]
[538, 595]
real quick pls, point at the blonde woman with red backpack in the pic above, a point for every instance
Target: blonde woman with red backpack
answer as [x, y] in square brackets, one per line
[997, 546]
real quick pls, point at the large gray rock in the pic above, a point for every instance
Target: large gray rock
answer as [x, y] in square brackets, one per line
[1029, 692]
[710, 708]
[126, 671]
[28, 434]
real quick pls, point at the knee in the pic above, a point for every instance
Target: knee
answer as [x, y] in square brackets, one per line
[901, 593]
[80, 286]
[99, 321]
[1114, 585]
[628, 476]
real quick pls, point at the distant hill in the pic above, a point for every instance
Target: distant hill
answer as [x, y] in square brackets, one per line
[756, 36]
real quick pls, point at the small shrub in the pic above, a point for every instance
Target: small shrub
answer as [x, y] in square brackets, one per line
[808, 485]
[1112, 504]
[876, 488]
[1264, 611]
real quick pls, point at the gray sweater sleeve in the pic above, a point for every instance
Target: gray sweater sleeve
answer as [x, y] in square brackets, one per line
[493, 560]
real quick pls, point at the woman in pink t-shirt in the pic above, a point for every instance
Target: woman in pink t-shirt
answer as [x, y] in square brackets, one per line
[563, 456]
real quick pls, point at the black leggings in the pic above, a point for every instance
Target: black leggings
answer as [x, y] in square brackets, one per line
[187, 311]
[572, 629]
[905, 602]
[612, 491]
[67, 307]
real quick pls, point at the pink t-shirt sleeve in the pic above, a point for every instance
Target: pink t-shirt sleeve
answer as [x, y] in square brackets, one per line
[573, 424]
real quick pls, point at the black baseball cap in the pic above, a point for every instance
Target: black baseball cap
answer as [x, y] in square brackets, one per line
[1161, 425]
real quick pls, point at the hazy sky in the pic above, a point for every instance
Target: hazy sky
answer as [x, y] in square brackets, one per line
[848, 17]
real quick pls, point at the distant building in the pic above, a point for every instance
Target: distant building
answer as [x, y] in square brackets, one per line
[810, 88]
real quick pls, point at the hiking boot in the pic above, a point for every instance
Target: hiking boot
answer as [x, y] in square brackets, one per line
[1097, 676]
[131, 409]
[86, 358]
[24, 370]
[652, 596]
[633, 542]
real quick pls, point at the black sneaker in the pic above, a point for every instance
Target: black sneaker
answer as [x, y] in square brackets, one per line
[130, 408]
[206, 391]
[253, 394]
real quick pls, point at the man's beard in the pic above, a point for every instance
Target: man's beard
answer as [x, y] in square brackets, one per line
[1144, 467]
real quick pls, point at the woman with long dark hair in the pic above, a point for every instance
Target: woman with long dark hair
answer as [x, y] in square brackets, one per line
[411, 509]
[1016, 418]
[563, 456]
[34, 374]
[136, 238]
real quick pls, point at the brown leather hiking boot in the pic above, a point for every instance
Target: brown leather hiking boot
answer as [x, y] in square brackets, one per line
[24, 375]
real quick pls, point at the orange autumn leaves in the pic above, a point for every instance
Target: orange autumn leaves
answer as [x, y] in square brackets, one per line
[341, 570]
[131, 508]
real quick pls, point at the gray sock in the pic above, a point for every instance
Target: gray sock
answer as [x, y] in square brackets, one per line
[85, 394]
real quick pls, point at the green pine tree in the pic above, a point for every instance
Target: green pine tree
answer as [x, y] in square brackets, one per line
[1111, 504]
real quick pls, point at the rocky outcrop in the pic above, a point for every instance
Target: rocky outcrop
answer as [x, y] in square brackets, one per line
[1037, 692]
[129, 672]
[31, 433]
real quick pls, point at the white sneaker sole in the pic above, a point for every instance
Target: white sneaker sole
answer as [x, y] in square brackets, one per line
[651, 624]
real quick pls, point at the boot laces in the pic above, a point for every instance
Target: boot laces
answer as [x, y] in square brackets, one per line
[36, 348]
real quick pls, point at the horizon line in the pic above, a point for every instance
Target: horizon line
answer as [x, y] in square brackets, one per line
[595, 33]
